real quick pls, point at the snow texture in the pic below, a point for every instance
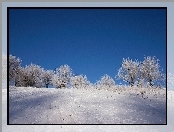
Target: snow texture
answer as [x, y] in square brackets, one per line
[41, 105]
[83, 106]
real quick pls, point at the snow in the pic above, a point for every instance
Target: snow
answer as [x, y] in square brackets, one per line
[82, 106]
[41, 105]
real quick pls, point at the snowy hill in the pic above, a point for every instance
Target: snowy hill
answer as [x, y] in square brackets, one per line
[82, 106]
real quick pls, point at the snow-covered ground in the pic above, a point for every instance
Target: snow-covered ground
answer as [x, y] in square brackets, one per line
[84, 106]
[47, 100]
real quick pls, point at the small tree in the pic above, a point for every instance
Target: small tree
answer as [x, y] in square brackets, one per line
[79, 81]
[62, 76]
[149, 70]
[129, 71]
[105, 81]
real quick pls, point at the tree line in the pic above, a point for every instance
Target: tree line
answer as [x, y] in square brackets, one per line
[132, 72]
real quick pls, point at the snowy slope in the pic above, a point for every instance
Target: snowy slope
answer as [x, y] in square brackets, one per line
[125, 128]
[80, 106]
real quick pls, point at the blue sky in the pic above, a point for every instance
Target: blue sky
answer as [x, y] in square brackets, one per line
[92, 42]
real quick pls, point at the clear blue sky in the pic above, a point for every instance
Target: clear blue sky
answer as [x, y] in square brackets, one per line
[92, 42]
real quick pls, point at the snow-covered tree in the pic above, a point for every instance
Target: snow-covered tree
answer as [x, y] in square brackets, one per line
[129, 71]
[14, 67]
[62, 76]
[105, 81]
[21, 78]
[47, 77]
[79, 81]
[149, 70]
[31, 75]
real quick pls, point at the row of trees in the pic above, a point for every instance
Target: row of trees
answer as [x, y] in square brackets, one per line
[35, 76]
[146, 72]
[133, 72]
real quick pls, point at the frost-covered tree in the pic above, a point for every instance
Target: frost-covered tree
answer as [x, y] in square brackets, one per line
[47, 77]
[149, 70]
[14, 67]
[31, 75]
[62, 76]
[21, 78]
[105, 81]
[129, 71]
[57, 82]
[79, 81]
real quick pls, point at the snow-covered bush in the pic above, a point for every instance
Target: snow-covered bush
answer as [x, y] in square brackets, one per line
[79, 81]
[14, 67]
[62, 76]
[129, 71]
[47, 77]
[106, 81]
[149, 70]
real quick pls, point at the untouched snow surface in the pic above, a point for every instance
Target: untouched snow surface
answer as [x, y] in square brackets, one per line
[85, 106]
[89, 128]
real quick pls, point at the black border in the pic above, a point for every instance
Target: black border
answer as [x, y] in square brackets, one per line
[8, 30]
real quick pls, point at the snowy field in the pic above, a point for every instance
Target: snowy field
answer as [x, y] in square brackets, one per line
[86, 106]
